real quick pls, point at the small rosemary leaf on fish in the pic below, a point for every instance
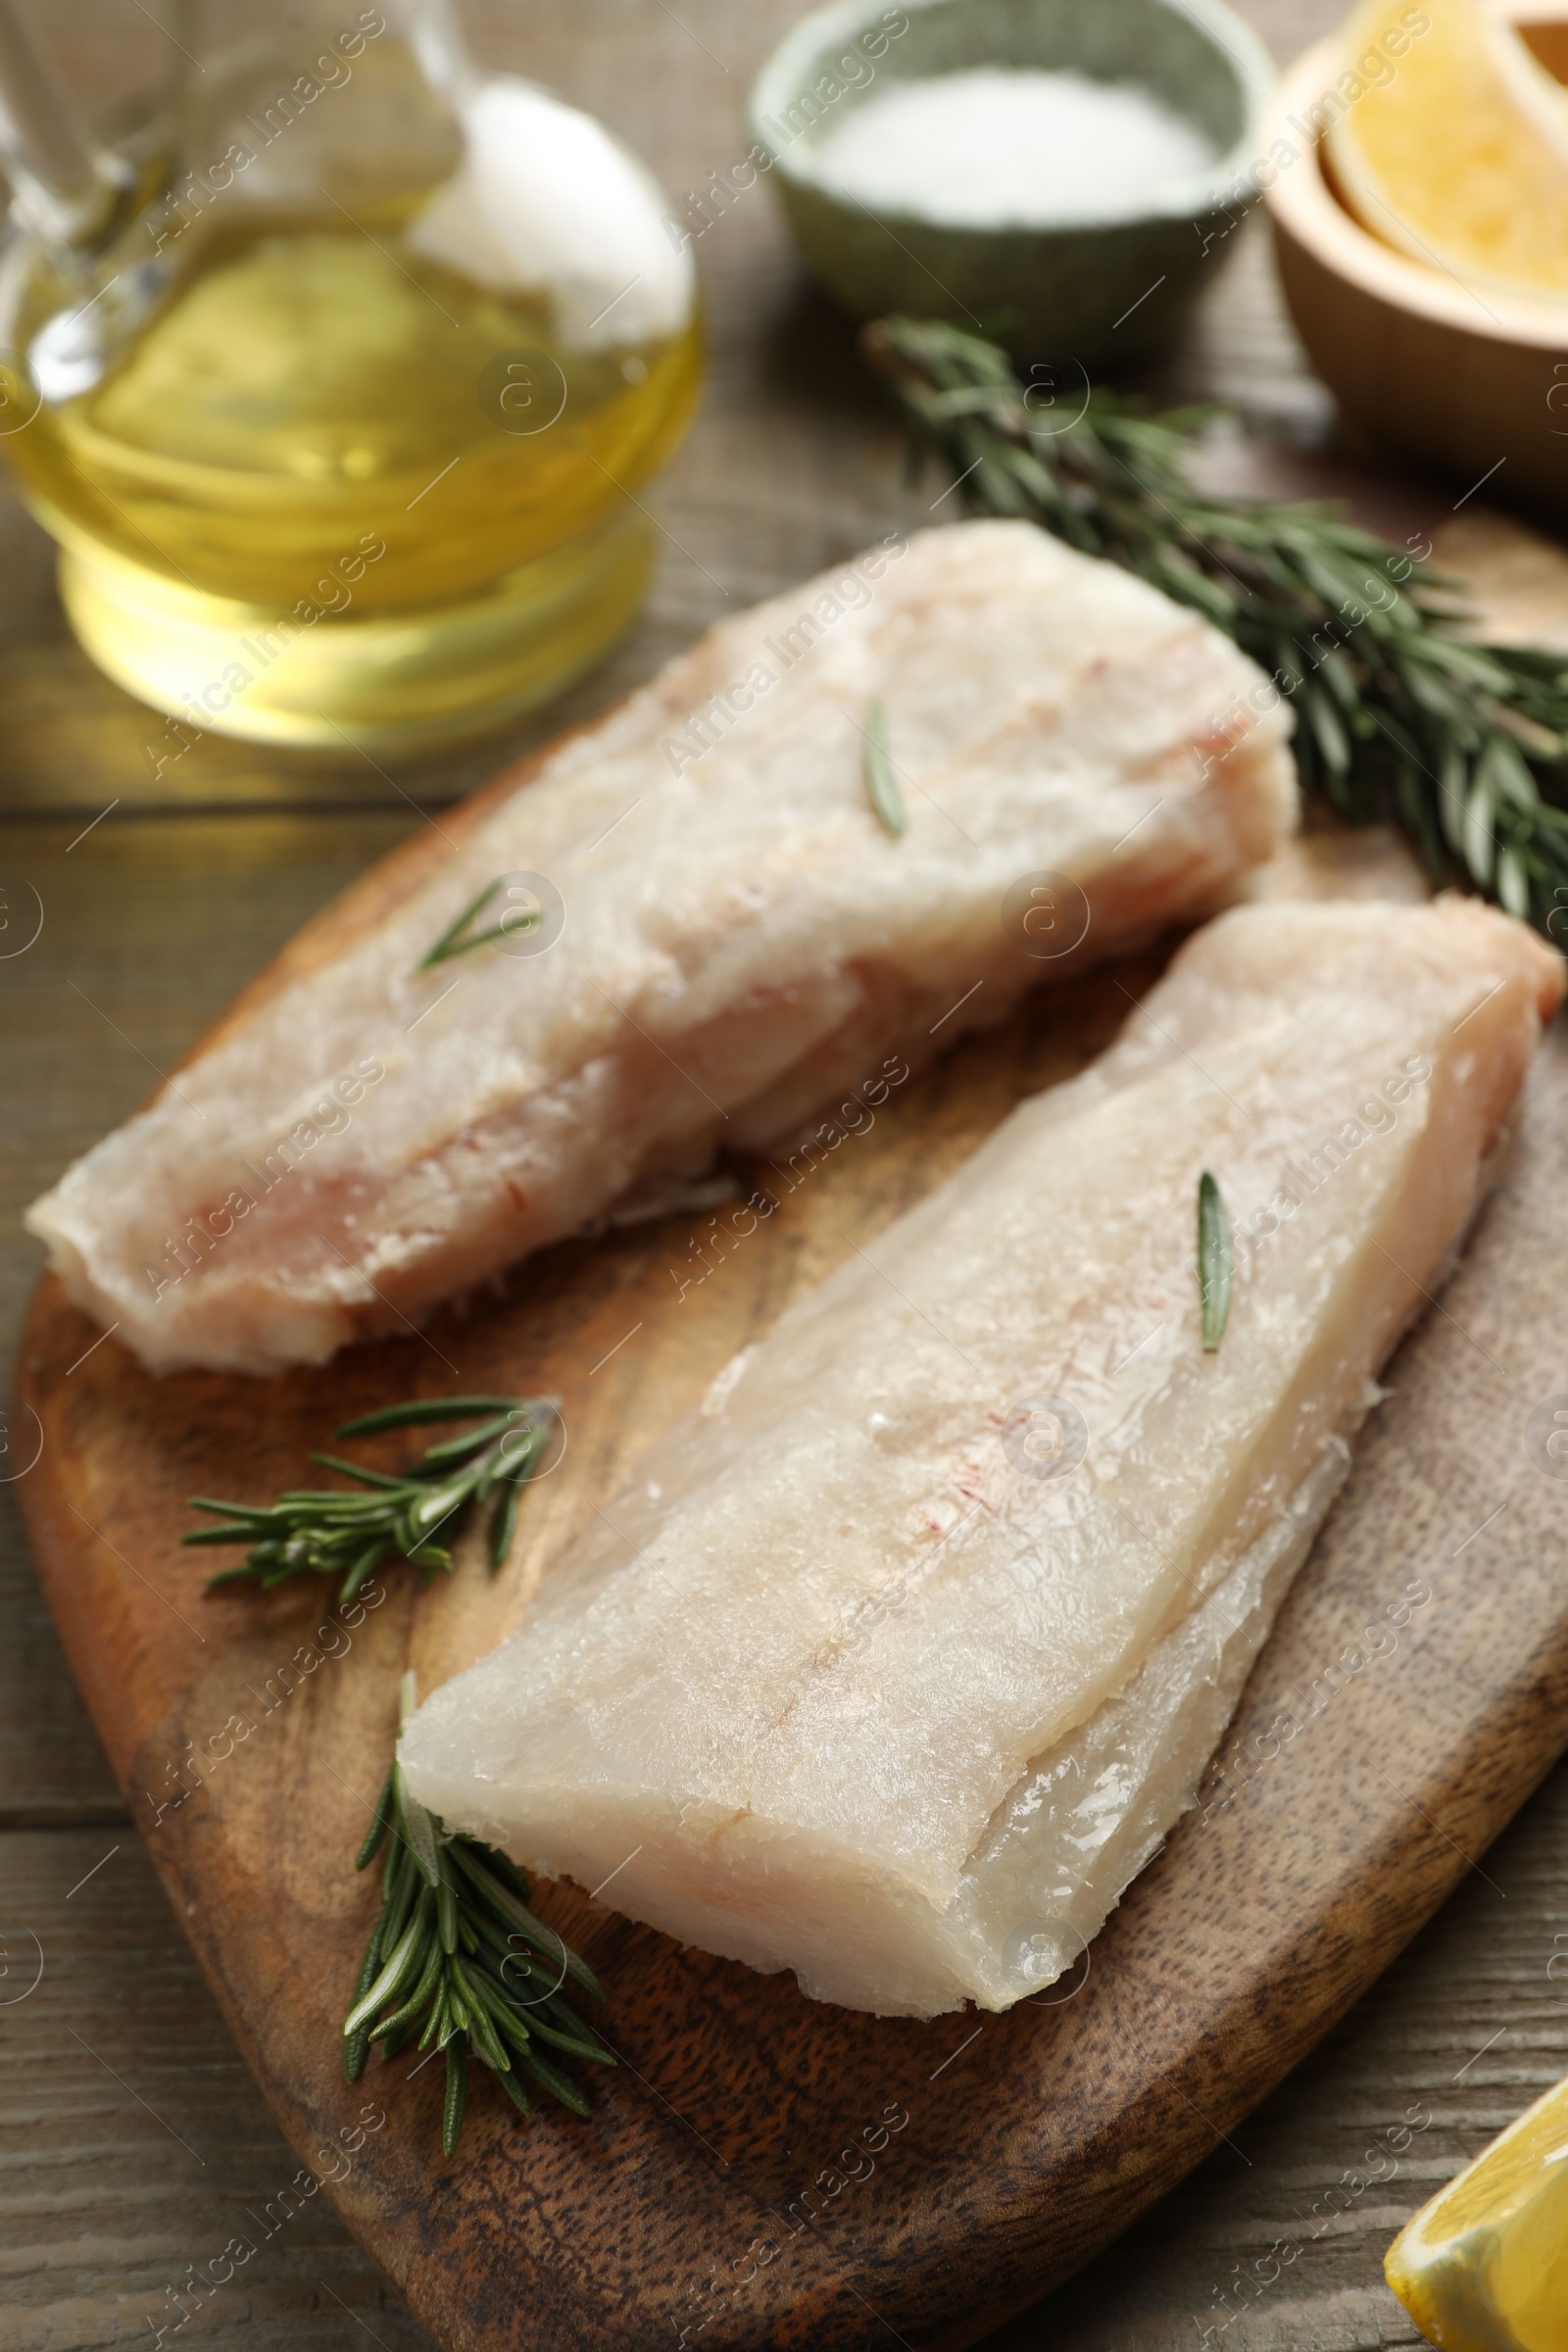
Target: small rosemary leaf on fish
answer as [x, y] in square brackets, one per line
[453, 941]
[881, 783]
[448, 943]
[1217, 1261]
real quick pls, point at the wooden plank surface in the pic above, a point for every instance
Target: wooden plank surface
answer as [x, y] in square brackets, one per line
[154, 922]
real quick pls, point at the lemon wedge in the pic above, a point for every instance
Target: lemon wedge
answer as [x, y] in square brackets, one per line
[1450, 140]
[1484, 2268]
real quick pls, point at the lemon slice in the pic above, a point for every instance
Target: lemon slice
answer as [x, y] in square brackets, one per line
[1450, 140]
[1484, 2268]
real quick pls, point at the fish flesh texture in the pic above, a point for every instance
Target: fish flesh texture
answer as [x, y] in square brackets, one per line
[743, 936]
[908, 1648]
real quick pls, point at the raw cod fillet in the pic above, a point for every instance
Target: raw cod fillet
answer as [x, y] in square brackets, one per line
[743, 937]
[915, 1640]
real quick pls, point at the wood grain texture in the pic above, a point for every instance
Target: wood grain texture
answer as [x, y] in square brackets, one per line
[174, 915]
[113, 2187]
[705, 2196]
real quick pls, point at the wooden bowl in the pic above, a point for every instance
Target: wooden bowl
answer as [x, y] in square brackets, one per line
[1473, 383]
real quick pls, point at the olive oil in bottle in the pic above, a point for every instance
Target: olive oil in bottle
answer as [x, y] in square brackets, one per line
[341, 430]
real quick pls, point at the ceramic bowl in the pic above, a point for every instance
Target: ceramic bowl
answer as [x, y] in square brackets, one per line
[1472, 383]
[1104, 289]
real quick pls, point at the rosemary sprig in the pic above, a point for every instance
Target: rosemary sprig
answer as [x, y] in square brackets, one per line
[881, 782]
[458, 1946]
[452, 941]
[334, 1532]
[1217, 1261]
[1400, 715]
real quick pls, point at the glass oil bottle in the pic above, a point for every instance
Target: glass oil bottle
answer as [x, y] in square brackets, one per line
[338, 396]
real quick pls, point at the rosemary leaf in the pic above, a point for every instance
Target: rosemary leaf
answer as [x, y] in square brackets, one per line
[881, 783]
[501, 1525]
[446, 1904]
[1401, 716]
[376, 1836]
[550, 2078]
[417, 1830]
[514, 2088]
[592, 2053]
[422, 1411]
[473, 1860]
[413, 2004]
[457, 2093]
[357, 2045]
[483, 2037]
[1216, 1261]
[398, 1971]
[452, 942]
[365, 1478]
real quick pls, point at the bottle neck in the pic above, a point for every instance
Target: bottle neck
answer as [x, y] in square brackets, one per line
[322, 100]
[65, 188]
[235, 38]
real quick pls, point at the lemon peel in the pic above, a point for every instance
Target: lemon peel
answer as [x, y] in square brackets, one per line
[1484, 2266]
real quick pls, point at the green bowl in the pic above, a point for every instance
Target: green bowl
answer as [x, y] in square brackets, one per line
[1104, 289]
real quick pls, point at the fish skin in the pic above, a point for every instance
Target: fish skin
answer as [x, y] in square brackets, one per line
[793, 1684]
[743, 938]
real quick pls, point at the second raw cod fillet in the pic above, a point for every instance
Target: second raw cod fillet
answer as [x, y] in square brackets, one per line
[918, 1637]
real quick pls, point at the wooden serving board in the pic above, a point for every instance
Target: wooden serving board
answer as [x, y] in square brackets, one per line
[762, 2170]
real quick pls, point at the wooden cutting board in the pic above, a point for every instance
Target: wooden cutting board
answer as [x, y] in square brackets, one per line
[762, 2170]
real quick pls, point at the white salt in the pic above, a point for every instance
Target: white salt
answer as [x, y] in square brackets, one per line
[1002, 145]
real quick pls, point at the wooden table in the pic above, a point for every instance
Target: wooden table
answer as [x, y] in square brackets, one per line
[132, 2143]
